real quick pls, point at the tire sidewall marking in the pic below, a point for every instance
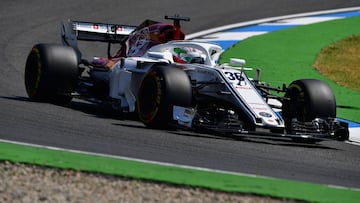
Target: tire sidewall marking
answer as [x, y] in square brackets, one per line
[149, 117]
[36, 54]
[305, 110]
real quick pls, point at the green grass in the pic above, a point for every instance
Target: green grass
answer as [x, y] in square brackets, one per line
[286, 55]
[278, 188]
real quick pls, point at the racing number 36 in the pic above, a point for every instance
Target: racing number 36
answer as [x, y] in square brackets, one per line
[234, 76]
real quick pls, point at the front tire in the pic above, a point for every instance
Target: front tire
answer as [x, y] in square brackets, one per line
[308, 99]
[51, 73]
[163, 87]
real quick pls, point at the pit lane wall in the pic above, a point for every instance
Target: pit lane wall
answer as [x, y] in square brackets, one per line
[228, 36]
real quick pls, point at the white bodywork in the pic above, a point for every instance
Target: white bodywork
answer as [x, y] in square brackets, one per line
[127, 74]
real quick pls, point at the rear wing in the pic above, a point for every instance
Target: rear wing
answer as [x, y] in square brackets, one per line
[72, 31]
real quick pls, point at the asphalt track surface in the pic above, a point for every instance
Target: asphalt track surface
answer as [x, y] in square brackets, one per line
[82, 126]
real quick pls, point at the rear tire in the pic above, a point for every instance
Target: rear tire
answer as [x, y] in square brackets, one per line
[309, 99]
[163, 87]
[51, 73]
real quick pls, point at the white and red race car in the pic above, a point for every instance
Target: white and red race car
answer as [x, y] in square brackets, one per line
[169, 81]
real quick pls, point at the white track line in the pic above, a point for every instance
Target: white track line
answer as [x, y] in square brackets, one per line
[131, 159]
[266, 20]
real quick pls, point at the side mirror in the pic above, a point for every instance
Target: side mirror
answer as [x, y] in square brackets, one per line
[237, 62]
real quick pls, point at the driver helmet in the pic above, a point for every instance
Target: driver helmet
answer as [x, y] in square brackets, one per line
[189, 55]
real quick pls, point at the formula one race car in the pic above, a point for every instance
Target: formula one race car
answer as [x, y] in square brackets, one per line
[169, 81]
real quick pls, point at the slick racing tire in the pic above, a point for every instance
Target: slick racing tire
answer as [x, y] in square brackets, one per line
[308, 99]
[163, 87]
[51, 73]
